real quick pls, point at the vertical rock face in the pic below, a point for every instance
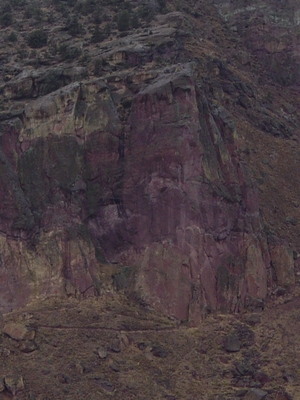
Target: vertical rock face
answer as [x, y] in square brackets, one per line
[185, 183]
[167, 194]
[142, 172]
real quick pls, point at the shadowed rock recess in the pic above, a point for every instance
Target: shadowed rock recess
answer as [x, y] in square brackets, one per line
[159, 176]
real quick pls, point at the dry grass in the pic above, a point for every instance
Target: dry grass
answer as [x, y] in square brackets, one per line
[193, 362]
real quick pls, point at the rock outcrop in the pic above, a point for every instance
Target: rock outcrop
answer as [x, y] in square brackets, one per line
[165, 192]
[269, 30]
[139, 169]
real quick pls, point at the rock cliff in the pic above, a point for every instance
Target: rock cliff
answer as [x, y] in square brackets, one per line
[151, 177]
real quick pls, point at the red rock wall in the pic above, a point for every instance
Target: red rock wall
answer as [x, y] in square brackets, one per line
[161, 190]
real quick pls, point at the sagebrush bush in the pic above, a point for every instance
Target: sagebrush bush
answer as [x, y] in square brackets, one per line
[73, 26]
[68, 53]
[135, 23]
[6, 17]
[12, 37]
[123, 21]
[22, 54]
[98, 35]
[18, 3]
[33, 11]
[98, 65]
[37, 39]
[146, 12]
[6, 8]
[85, 7]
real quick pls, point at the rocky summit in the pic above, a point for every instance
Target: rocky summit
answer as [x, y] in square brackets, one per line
[149, 153]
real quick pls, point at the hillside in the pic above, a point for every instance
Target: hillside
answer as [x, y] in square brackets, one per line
[149, 155]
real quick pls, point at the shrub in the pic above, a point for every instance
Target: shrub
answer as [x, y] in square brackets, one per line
[50, 19]
[97, 16]
[123, 22]
[53, 81]
[97, 35]
[63, 9]
[85, 7]
[127, 6]
[6, 19]
[107, 30]
[98, 64]
[146, 13]
[68, 53]
[37, 39]
[85, 58]
[12, 37]
[73, 26]
[135, 23]
[22, 53]
[33, 11]
[162, 5]
[6, 8]
[18, 3]
[269, 97]
[33, 54]
[70, 3]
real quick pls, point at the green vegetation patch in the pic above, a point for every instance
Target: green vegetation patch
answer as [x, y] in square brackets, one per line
[123, 279]
[12, 37]
[6, 17]
[50, 163]
[37, 39]
[225, 280]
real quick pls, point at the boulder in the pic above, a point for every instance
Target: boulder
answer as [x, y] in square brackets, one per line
[15, 330]
[255, 394]
[14, 383]
[232, 343]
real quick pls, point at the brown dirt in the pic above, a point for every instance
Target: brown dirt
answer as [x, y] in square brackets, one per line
[157, 358]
